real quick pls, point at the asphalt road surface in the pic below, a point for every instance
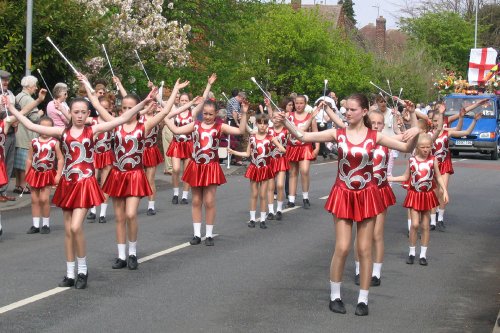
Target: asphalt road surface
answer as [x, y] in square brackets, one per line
[254, 280]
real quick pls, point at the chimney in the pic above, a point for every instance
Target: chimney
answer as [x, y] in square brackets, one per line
[296, 4]
[380, 36]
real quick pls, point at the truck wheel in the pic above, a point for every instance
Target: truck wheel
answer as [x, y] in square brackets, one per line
[494, 154]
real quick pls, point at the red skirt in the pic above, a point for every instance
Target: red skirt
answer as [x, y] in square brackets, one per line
[152, 157]
[37, 179]
[421, 201]
[280, 164]
[102, 160]
[257, 174]
[446, 167]
[132, 183]
[85, 193]
[300, 153]
[354, 205]
[3, 173]
[203, 174]
[387, 195]
[180, 150]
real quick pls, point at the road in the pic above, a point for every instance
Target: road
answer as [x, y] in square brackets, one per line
[254, 280]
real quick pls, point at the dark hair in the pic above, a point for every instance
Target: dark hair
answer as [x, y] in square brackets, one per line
[363, 102]
[134, 97]
[303, 97]
[79, 100]
[285, 101]
[210, 103]
[101, 82]
[262, 117]
[46, 118]
[380, 98]
[235, 92]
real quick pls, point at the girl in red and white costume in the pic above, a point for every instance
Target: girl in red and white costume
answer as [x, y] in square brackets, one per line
[261, 169]
[300, 154]
[42, 175]
[203, 173]
[354, 196]
[77, 190]
[127, 182]
[422, 171]
[181, 147]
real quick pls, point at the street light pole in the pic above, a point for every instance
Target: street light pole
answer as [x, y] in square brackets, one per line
[29, 28]
[475, 25]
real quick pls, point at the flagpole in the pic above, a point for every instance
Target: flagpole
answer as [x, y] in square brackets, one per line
[475, 25]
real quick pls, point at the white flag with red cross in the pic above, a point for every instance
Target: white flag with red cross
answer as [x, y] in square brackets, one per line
[480, 63]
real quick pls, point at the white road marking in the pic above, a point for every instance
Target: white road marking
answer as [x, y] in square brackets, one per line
[324, 198]
[32, 299]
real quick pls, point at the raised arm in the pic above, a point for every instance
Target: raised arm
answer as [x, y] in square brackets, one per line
[212, 78]
[468, 131]
[186, 129]
[94, 100]
[323, 136]
[60, 162]
[334, 117]
[243, 122]
[197, 100]
[119, 85]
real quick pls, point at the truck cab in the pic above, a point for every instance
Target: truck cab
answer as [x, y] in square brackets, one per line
[485, 137]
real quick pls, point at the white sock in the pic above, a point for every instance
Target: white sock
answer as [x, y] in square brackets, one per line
[70, 269]
[334, 290]
[291, 198]
[433, 219]
[132, 248]
[440, 214]
[305, 195]
[46, 221]
[270, 207]
[423, 252]
[36, 222]
[377, 268]
[356, 263]
[104, 207]
[197, 229]
[279, 206]
[185, 194]
[409, 224]
[151, 205]
[121, 251]
[412, 251]
[252, 215]
[93, 210]
[82, 265]
[363, 296]
[176, 191]
[263, 216]
[209, 231]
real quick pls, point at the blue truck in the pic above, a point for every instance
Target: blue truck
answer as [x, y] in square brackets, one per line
[485, 137]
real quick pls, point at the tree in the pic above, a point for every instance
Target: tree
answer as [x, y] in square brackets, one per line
[348, 7]
[489, 16]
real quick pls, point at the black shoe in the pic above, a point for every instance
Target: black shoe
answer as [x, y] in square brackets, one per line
[440, 226]
[270, 217]
[81, 281]
[209, 241]
[151, 212]
[251, 224]
[422, 261]
[66, 282]
[263, 225]
[1, 232]
[91, 217]
[433, 227]
[337, 306]
[306, 203]
[361, 309]
[356, 279]
[45, 230]
[290, 204]
[102, 219]
[175, 199]
[119, 264]
[184, 201]
[33, 230]
[375, 281]
[279, 216]
[195, 241]
[410, 260]
[132, 262]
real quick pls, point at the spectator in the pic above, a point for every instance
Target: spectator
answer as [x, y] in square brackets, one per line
[10, 137]
[233, 116]
[60, 115]
[388, 117]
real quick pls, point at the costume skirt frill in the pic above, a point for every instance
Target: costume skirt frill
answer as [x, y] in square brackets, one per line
[300, 153]
[84, 193]
[446, 167]
[387, 195]
[257, 174]
[102, 160]
[152, 157]
[203, 174]
[355, 205]
[280, 164]
[37, 179]
[180, 150]
[123, 184]
[421, 201]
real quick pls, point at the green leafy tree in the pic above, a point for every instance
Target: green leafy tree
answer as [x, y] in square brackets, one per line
[489, 16]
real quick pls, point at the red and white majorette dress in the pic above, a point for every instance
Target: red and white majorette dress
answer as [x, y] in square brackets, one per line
[152, 155]
[182, 144]
[127, 177]
[78, 187]
[355, 195]
[380, 161]
[260, 167]
[103, 143]
[421, 194]
[441, 151]
[3, 172]
[297, 150]
[43, 164]
[279, 162]
[203, 169]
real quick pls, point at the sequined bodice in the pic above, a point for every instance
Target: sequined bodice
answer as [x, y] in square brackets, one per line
[440, 147]
[421, 174]
[152, 137]
[44, 154]
[282, 138]
[380, 161]
[206, 143]
[129, 147]
[78, 155]
[103, 140]
[260, 150]
[182, 121]
[300, 125]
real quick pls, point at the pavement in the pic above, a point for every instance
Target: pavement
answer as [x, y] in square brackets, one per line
[254, 280]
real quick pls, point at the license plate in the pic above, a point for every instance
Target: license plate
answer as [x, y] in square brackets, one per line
[463, 143]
